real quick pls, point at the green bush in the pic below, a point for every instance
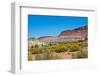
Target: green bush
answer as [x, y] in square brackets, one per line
[73, 47]
[61, 48]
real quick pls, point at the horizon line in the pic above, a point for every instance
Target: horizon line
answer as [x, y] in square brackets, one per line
[58, 34]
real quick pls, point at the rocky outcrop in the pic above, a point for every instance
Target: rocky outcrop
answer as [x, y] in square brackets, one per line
[76, 34]
[81, 31]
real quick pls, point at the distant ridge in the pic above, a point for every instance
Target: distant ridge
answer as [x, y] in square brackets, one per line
[82, 30]
[31, 38]
[44, 37]
[67, 35]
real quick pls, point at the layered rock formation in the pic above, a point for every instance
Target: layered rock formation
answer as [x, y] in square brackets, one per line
[76, 34]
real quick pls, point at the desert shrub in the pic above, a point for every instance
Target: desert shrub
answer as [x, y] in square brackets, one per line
[39, 57]
[50, 44]
[82, 54]
[29, 56]
[83, 44]
[74, 55]
[36, 50]
[60, 48]
[36, 46]
[73, 47]
[32, 46]
[46, 56]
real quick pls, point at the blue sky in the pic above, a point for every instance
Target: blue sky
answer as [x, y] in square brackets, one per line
[43, 25]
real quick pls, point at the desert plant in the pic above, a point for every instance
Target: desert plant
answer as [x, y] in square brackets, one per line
[60, 48]
[30, 56]
[82, 54]
[46, 56]
[36, 50]
[73, 47]
[74, 55]
[83, 44]
[36, 46]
